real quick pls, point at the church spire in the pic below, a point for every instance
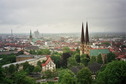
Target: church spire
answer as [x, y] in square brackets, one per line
[30, 35]
[82, 35]
[87, 35]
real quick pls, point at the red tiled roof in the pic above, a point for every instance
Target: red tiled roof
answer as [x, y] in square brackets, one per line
[121, 56]
[47, 61]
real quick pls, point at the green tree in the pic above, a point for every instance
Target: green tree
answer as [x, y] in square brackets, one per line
[50, 74]
[37, 69]
[84, 59]
[71, 62]
[64, 58]
[21, 78]
[77, 57]
[27, 67]
[56, 60]
[84, 76]
[39, 63]
[110, 56]
[114, 73]
[67, 77]
[92, 59]
[99, 59]
[11, 69]
[66, 50]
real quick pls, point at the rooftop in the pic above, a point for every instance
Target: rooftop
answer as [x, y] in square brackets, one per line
[96, 52]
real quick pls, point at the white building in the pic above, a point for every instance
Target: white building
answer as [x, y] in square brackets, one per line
[48, 65]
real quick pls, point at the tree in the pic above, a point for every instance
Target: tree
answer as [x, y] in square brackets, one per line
[77, 57]
[27, 67]
[85, 59]
[71, 62]
[114, 73]
[11, 69]
[66, 50]
[56, 60]
[84, 76]
[37, 69]
[67, 77]
[50, 74]
[21, 78]
[64, 58]
[92, 59]
[39, 63]
[99, 59]
[110, 56]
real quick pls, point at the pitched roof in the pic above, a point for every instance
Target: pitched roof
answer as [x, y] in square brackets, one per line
[96, 52]
[47, 61]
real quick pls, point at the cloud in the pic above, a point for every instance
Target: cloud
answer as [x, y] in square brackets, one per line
[62, 15]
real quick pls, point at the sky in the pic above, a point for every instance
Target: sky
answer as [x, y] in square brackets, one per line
[62, 16]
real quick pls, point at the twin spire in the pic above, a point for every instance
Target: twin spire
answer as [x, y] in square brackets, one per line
[85, 39]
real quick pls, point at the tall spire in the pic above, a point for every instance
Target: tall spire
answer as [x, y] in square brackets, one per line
[30, 34]
[87, 35]
[82, 35]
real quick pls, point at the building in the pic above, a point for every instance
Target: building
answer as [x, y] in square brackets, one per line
[103, 52]
[48, 65]
[30, 37]
[37, 34]
[85, 46]
[24, 57]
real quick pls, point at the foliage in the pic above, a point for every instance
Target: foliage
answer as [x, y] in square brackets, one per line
[27, 67]
[64, 58]
[77, 57]
[71, 62]
[40, 52]
[20, 52]
[92, 59]
[67, 77]
[84, 59]
[6, 59]
[110, 56]
[99, 59]
[11, 69]
[56, 58]
[84, 76]
[66, 50]
[21, 78]
[114, 73]
[39, 63]
[50, 74]
[37, 69]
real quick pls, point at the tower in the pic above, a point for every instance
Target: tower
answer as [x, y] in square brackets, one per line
[30, 37]
[82, 41]
[84, 46]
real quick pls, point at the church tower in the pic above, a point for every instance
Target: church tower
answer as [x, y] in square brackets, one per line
[82, 41]
[30, 37]
[84, 46]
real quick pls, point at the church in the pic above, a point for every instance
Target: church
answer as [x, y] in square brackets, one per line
[85, 45]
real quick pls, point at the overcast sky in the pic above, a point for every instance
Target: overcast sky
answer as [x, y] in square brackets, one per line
[59, 16]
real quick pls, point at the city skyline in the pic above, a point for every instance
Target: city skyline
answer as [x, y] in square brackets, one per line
[62, 16]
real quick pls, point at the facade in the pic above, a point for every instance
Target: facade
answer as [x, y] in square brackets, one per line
[85, 45]
[24, 57]
[48, 65]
